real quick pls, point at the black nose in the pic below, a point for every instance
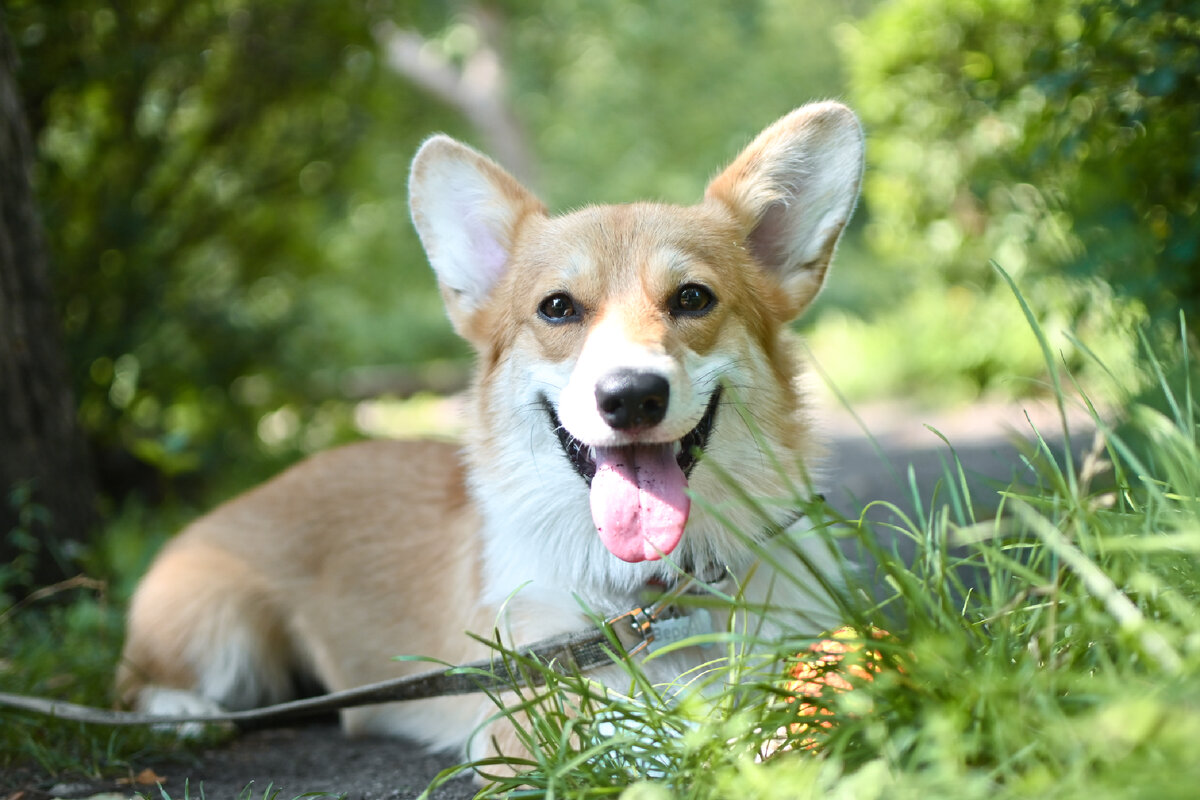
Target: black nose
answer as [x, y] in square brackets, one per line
[628, 399]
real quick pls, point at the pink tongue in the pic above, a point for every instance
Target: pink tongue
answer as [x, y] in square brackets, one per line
[639, 501]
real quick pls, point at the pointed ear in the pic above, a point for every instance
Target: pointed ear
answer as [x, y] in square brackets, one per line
[793, 191]
[466, 210]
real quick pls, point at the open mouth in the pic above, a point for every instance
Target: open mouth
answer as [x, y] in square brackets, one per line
[582, 456]
[638, 492]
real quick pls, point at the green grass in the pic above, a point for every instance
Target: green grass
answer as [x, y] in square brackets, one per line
[64, 643]
[1072, 670]
[66, 648]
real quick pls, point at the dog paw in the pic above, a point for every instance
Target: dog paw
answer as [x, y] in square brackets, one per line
[163, 702]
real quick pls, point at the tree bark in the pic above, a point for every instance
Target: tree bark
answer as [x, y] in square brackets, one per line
[47, 496]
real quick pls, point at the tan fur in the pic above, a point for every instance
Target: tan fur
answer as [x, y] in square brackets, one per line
[293, 559]
[380, 549]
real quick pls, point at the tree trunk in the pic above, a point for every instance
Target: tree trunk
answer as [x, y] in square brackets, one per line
[47, 499]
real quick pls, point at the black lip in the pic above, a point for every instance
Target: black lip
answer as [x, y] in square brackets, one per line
[691, 445]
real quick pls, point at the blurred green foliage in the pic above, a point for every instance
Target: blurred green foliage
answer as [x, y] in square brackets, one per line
[209, 206]
[627, 100]
[1060, 138]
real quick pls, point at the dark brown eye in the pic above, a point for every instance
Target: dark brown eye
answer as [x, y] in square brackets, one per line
[692, 300]
[558, 307]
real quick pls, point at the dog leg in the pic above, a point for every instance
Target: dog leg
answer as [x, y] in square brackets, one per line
[204, 635]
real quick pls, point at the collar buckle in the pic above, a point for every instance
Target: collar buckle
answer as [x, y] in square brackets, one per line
[643, 630]
[634, 630]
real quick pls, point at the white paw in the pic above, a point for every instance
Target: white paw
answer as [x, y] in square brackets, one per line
[161, 702]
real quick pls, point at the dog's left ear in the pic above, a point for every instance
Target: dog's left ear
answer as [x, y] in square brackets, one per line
[793, 191]
[467, 211]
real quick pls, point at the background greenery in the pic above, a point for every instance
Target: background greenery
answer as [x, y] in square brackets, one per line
[1060, 139]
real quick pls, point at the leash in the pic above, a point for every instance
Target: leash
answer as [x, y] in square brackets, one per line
[641, 630]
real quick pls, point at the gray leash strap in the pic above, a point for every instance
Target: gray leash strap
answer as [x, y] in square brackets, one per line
[572, 652]
[630, 634]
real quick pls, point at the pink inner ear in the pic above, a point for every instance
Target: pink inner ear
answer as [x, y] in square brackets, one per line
[490, 257]
[770, 241]
[486, 257]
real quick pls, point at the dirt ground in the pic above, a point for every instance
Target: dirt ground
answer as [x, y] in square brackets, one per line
[318, 758]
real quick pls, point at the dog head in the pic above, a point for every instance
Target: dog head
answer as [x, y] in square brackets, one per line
[613, 333]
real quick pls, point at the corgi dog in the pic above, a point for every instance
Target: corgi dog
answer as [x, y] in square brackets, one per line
[635, 373]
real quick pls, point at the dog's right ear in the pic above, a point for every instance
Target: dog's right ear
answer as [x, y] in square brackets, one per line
[793, 190]
[466, 210]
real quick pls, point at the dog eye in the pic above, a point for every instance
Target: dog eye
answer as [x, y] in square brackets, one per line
[692, 300]
[558, 307]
